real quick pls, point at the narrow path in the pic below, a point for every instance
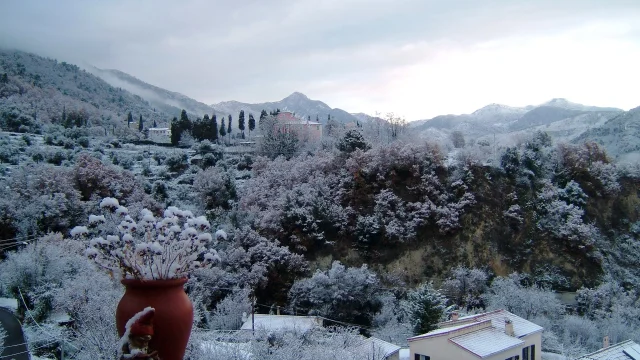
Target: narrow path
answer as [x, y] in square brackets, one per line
[15, 337]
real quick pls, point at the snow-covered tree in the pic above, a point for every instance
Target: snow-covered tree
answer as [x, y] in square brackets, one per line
[228, 314]
[341, 293]
[465, 286]
[526, 301]
[425, 307]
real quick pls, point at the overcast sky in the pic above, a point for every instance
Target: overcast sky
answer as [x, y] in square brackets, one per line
[417, 58]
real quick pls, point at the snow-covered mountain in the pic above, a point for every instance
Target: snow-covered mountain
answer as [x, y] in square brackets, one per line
[498, 115]
[562, 119]
[297, 102]
[36, 91]
[566, 104]
[620, 135]
[158, 97]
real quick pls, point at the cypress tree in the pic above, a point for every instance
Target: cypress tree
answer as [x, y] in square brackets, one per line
[176, 132]
[223, 131]
[214, 128]
[241, 122]
[154, 124]
[252, 124]
[140, 124]
[129, 119]
[229, 128]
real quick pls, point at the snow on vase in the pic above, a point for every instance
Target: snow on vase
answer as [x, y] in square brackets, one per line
[153, 256]
[172, 318]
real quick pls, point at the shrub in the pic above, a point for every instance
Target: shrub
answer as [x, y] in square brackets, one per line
[177, 162]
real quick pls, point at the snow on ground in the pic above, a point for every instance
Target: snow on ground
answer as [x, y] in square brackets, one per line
[8, 303]
[404, 354]
[552, 356]
[227, 350]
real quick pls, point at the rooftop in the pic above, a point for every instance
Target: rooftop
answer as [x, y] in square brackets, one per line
[486, 342]
[625, 350]
[380, 347]
[521, 327]
[451, 330]
[282, 322]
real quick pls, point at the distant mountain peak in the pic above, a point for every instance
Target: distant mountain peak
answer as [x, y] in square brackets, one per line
[566, 104]
[297, 96]
[559, 102]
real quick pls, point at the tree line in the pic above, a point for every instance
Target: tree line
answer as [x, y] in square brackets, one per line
[207, 128]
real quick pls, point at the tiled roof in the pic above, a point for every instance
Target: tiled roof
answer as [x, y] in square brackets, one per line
[381, 347]
[448, 330]
[486, 342]
[625, 350]
[521, 327]
[282, 322]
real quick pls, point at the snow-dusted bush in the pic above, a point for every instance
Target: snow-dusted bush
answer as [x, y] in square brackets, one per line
[607, 175]
[47, 198]
[340, 293]
[176, 162]
[153, 248]
[90, 298]
[229, 312]
[526, 301]
[564, 221]
[465, 286]
[215, 188]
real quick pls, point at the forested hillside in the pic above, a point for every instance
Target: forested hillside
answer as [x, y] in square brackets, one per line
[35, 92]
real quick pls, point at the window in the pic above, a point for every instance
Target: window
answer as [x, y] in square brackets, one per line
[525, 353]
[422, 357]
[529, 353]
[533, 352]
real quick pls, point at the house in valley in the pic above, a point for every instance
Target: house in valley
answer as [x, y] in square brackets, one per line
[306, 130]
[496, 335]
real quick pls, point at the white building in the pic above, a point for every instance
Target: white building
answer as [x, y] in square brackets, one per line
[162, 132]
[625, 350]
[496, 335]
[282, 323]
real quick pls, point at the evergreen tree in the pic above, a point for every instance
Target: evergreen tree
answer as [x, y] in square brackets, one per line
[317, 118]
[241, 122]
[4, 79]
[263, 115]
[197, 131]
[129, 119]
[140, 124]
[223, 131]
[214, 128]
[425, 308]
[154, 124]
[252, 124]
[229, 127]
[176, 133]
[351, 141]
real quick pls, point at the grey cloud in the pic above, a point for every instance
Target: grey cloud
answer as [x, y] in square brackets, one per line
[255, 50]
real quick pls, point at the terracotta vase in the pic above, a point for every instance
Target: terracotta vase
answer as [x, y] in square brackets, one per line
[173, 313]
